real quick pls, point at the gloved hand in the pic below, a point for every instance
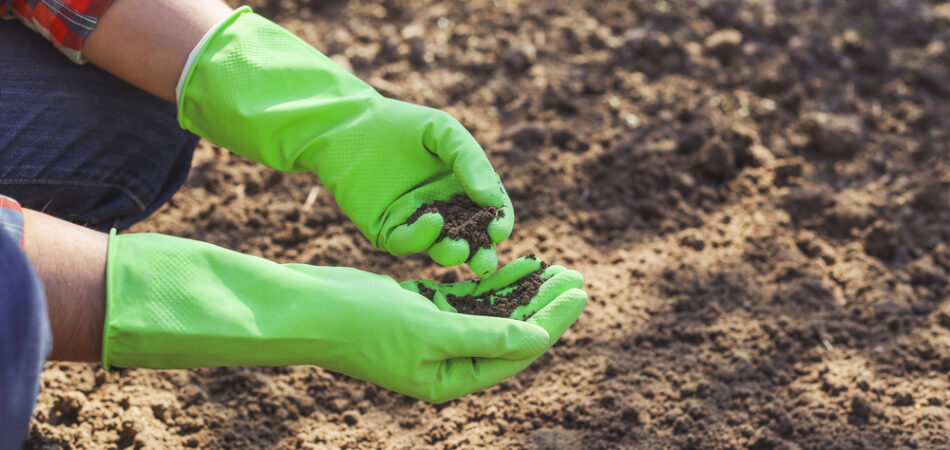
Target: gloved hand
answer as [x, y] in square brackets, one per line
[177, 303]
[263, 93]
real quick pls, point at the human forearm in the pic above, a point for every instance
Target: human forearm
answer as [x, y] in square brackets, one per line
[70, 261]
[146, 42]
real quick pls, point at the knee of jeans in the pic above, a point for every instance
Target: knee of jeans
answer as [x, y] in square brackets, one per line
[96, 150]
[107, 189]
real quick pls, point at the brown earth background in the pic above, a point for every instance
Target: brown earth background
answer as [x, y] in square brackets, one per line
[757, 193]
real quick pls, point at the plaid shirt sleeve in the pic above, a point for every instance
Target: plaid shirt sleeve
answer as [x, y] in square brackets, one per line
[11, 219]
[66, 23]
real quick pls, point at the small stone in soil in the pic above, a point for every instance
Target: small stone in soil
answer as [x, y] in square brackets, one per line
[860, 407]
[724, 44]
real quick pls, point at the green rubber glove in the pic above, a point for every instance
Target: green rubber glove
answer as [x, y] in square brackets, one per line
[177, 303]
[263, 93]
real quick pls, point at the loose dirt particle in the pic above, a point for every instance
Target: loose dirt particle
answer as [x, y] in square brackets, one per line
[881, 241]
[426, 292]
[834, 135]
[717, 159]
[724, 44]
[903, 399]
[860, 408]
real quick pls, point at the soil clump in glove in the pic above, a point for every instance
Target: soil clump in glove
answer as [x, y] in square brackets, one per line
[464, 220]
[492, 303]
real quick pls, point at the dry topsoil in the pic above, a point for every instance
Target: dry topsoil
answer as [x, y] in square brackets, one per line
[756, 192]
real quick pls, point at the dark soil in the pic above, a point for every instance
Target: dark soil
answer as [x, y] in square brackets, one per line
[492, 303]
[464, 220]
[426, 292]
[756, 192]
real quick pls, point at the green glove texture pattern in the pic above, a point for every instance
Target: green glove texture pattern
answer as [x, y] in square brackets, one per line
[176, 303]
[263, 93]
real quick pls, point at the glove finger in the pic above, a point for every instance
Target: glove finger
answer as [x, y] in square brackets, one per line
[551, 271]
[560, 313]
[484, 261]
[413, 285]
[458, 288]
[456, 335]
[507, 275]
[561, 281]
[449, 252]
[455, 146]
[478, 178]
[461, 376]
[500, 228]
[437, 292]
[415, 237]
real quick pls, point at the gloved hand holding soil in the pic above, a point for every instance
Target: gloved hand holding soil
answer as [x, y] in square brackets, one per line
[177, 303]
[382, 159]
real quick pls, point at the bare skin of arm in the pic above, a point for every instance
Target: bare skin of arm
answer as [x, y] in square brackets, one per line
[144, 42]
[71, 263]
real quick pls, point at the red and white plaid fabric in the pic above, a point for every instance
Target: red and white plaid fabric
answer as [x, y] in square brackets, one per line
[66, 23]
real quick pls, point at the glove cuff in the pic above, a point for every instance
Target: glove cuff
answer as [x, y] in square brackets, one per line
[196, 53]
[201, 44]
[251, 81]
[110, 252]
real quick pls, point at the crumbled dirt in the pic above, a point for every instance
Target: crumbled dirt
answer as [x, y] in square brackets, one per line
[464, 220]
[492, 303]
[426, 291]
[762, 220]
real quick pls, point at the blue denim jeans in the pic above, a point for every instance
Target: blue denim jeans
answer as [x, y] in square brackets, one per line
[80, 144]
[24, 342]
